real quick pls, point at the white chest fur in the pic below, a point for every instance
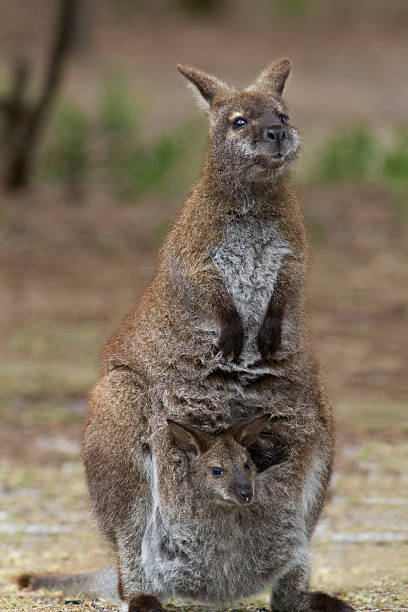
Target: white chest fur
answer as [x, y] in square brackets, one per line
[249, 259]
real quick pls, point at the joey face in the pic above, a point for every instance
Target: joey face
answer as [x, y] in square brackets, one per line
[221, 465]
[227, 472]
[251, 135]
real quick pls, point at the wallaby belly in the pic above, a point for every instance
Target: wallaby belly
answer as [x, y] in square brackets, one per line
[216, 561]
[249, 259]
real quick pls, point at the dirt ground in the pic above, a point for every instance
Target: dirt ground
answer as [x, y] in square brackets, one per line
[70, 272]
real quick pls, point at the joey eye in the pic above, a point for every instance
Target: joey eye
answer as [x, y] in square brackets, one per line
[247, 466]
[284, 118]
[239, 122]
[217, 471]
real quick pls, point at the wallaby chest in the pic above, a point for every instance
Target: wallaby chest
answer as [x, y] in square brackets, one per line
[212, 562]
[248, 259]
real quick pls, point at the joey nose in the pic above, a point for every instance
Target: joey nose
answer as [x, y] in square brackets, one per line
[246, 494]
[277, 134]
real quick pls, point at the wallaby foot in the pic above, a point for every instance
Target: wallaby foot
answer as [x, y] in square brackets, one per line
[129, 577]
[309, 602]
[326, 603]
[144, 603]
[291, 592]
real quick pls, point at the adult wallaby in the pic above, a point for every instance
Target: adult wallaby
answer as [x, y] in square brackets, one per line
[219, 337]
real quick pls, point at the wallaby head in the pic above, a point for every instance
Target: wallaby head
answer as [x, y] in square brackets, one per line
[222, 464]
[251, 135]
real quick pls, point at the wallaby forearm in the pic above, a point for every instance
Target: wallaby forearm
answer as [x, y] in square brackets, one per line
[200, 288]
[285, 292]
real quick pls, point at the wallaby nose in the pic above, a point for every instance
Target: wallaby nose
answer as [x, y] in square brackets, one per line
[277, 134]
[246, 494]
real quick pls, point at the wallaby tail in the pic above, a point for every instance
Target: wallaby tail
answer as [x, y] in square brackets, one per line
[101, 583]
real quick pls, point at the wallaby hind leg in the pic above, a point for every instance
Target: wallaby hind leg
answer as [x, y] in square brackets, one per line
[130, 580]
[291, 592]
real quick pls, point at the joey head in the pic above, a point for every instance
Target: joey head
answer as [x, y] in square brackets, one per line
[225, 465]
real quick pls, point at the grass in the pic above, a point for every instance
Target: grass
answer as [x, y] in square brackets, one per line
[358, 155]
[132, 167]
[109, 146]
[67, 158]
[295, 9]
[395, 171]
[347, 156]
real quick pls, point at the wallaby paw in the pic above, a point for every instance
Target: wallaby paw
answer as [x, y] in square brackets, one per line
[321, 602]
[232, 336]
[269, 337]
[145, 603]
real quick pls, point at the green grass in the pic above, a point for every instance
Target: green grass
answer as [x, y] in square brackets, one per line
[295, 9]
[67, 158]
[358, 155]
[110, 146]
[395, 170]
[350, 155]
[129, 165]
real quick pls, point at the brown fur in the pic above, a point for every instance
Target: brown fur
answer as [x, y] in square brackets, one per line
[204, 347]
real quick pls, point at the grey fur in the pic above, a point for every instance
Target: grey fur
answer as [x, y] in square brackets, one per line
[248, 260]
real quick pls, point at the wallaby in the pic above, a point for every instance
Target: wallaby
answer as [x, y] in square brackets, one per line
[219, 337]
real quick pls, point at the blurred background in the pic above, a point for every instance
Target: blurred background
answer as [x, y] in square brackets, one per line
[99, 143]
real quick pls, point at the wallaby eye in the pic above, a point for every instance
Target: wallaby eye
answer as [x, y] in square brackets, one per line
[247, 466]
[239, 122]
[217, 471]
[284, 118]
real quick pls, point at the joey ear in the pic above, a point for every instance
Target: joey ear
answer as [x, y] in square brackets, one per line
[248, 433]
[190, 440]
[205, 85]
[273, 77]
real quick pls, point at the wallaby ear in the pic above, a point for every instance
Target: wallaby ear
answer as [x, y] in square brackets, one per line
[205, 85]
[264, 458]
[248, 433]
[273, 77]
[190, 440]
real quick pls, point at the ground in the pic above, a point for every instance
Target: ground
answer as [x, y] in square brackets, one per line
[71, 271]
